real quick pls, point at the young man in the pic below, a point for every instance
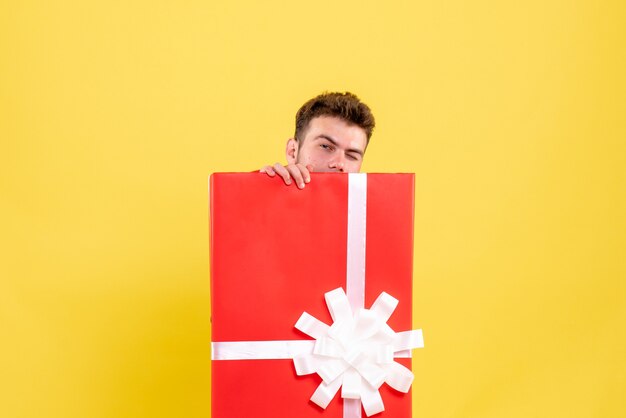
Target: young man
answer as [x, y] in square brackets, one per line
[332, 133]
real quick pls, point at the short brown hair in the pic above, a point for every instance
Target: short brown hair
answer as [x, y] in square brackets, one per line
[345, 106]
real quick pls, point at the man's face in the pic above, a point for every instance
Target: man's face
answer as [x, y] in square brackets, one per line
[330, 144]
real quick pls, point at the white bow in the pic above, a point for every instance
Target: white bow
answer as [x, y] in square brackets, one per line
[357, 352]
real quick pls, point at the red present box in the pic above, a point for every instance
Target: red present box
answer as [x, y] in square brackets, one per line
[275, 252]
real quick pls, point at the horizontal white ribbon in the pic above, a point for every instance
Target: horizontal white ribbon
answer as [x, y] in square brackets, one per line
[270, 350]
[260, 350]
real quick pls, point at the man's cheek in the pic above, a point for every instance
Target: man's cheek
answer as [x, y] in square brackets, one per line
[354, 167]
[313, 159]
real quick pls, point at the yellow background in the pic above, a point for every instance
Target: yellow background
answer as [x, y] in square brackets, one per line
[511, 114]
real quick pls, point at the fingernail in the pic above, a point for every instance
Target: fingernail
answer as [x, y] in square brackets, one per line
[301, 185]
[307, 179]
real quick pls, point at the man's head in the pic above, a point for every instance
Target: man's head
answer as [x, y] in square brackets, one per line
[345, 106]
[332, 133]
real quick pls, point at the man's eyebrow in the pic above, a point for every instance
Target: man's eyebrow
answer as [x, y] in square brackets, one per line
[332, 141]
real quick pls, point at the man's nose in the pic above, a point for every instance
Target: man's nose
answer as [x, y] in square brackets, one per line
[338, 163]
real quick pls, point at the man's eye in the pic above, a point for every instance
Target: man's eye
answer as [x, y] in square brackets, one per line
[352, 157]
[325, 146]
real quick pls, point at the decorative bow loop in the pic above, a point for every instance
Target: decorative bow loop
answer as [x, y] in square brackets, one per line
[356, 353]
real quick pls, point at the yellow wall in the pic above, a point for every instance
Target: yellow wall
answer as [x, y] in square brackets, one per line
[112, 114]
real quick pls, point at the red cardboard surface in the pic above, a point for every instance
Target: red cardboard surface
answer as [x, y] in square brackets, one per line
[275, 251]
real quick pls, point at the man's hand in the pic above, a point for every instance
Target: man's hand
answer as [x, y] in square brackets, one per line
[300, 174]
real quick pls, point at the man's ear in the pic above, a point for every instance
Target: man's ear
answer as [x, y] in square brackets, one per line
[292, 151]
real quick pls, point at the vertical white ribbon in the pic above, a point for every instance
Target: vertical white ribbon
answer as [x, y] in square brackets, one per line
[357, 221]
[355, 263]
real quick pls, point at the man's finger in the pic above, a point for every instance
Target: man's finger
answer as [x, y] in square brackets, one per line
[268, 170]
[295, 172]
[282, 171]
[306, 176]
[304, 170]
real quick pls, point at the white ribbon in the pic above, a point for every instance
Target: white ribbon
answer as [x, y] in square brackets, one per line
[357, 223]
[270, 350]
[356, 352]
